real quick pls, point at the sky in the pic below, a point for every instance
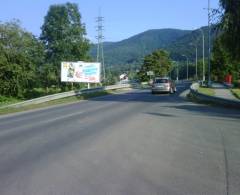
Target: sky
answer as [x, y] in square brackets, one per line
[122, 18]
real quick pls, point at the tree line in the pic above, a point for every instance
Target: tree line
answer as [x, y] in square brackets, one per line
[157, 62]
[226, 48]
[28, 62]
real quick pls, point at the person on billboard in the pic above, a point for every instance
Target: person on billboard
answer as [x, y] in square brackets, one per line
[71, 71]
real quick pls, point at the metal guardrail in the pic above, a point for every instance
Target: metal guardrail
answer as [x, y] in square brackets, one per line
[65, 94]
[212, 99]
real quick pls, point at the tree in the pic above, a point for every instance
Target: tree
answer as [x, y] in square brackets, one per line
[230, 25]
[220, 60]
[226, 49]
[63, 35]
[158, 62]
[20, 56]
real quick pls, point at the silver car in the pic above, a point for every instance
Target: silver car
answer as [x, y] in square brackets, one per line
[163, 85]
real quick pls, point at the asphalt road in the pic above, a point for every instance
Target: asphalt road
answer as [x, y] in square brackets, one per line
[133, 143]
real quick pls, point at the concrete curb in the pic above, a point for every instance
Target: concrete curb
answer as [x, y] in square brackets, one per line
[229, 86]
[211, 99]
[65, 94]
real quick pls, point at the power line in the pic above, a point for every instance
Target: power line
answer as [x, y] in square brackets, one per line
[100, 38]
[210, 19]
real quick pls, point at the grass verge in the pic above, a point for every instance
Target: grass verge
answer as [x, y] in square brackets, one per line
[8, 100]
[55, 102]
[197, 100]
[191, 97]
[206, 91]
[236, 93]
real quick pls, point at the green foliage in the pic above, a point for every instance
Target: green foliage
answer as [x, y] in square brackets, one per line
[54, 102]
[38, 92]
[220, 61]
[27, 64]
[226, 51]
[63, 35]
[7, 100]
[186, 44]
[236, 92]
[158, 62]
[230, 24]
[48, 75]
[20, 55]
[131, 51]
[111, 77]
[206, 91]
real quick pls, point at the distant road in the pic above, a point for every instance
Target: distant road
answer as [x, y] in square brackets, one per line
[133, 143]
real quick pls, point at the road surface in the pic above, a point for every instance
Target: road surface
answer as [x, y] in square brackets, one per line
[133, 143]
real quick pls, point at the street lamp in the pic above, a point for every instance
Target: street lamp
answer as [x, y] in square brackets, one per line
[203, 46]
[187, 64]
[196, 62]
[209, 46]
[196, 49]
[177, 70]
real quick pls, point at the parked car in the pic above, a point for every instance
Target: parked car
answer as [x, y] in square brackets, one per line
[163, 84]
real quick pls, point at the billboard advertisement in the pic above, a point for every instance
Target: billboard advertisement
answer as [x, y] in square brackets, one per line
[81, 72]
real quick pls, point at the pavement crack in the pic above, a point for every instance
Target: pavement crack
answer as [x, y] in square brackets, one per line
[225, 162]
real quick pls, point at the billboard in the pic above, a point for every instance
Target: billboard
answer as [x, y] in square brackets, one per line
[81, 72]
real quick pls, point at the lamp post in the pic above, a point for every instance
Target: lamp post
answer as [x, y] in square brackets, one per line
[187, 64]
[196, 58]
[203, 54]
[209, 46]
[196, 62]
[177, 70]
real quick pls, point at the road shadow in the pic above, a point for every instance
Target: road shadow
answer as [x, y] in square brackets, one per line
[142, 95]
[160, 114]
[176, 101]
[207, 110]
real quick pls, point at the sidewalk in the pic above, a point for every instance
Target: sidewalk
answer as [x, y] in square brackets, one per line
[222, 91]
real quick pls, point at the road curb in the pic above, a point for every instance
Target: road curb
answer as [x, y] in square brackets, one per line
[202, 98]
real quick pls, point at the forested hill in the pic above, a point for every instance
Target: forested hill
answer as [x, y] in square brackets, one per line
[133, 49]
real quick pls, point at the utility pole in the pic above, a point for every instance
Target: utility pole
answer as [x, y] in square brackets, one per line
[209, 45]
[187, 64]
[177, 72]
[196, 62]
[100, 37]
[196, 58]
[203, 45]
[176, 63]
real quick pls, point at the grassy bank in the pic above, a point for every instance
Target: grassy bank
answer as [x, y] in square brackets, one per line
[206, 91]
[54, 102]
[8, 100]
[236, 93]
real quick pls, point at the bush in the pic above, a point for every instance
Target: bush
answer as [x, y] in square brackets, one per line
[3, 99]
[7, 100]
[53, 90]
[39, 92]
[236, 84]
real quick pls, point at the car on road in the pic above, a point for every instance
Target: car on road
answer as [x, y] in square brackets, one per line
[163, 85]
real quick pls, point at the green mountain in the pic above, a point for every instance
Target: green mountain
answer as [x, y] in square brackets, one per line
[130, 52]
[186, 45]
[133, 49]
